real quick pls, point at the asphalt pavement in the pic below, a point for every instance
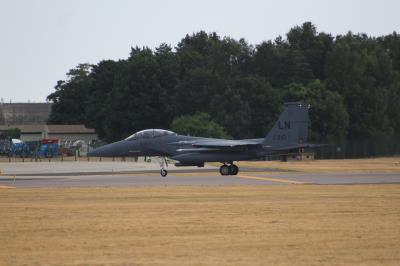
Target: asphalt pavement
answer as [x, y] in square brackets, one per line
[112, 174]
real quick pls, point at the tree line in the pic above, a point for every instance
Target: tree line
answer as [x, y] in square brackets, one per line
[351, 81]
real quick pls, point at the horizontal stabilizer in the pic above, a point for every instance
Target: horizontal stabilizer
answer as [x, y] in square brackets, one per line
[299, 146]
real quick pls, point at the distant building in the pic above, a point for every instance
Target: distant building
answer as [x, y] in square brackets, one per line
[65, 133]
[24, 113]
[31, 119]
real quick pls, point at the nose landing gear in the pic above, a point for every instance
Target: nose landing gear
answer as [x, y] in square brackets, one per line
[230, 169]
[163, 172]
[163, 162]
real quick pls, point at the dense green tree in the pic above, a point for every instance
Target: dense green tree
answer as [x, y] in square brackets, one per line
[391, 43]
[199, 125]
[361, 71]
[248, 107]
[328, 115]
[141, 93]
[196, 90]
[314, 46]
[104, 76]
[225, 57]
[280, 65]
[352, 83]
[71, 96]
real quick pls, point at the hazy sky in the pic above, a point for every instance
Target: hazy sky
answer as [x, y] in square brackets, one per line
[40, 40]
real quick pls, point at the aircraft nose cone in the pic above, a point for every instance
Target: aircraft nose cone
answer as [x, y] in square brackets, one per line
[109, 150]
[98, 152]
[93, 153]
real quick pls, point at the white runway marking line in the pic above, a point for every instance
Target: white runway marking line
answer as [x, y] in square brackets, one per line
[271, 179]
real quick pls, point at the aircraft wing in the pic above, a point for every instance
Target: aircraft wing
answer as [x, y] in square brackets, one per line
[223, 143]
[210, 145]
[299, 146]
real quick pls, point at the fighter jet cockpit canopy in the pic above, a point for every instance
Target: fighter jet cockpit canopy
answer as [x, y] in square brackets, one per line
[150, 133]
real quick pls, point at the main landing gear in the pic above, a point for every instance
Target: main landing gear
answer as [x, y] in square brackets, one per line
[163, 163]
[230, 169]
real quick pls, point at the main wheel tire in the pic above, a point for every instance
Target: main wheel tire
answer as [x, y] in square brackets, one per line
[233, 169]
[224, 170]
[163, 172]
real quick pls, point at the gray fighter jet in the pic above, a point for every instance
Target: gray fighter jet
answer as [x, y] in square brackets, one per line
[288, 133]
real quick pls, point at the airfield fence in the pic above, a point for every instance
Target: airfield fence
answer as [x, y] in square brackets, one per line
[69, 159]
[350, 150]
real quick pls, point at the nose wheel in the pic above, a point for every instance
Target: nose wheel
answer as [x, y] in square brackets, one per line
[163, 163]
[163, 172]
[231, 169]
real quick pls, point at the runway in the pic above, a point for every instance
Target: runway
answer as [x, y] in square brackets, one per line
[194, 178]
[117, 174]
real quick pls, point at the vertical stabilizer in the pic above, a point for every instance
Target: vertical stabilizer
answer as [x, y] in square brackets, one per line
[291, 127]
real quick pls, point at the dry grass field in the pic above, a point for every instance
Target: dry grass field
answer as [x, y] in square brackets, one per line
[242, 225]
[377, 165]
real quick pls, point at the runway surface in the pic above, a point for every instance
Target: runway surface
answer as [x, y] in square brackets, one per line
[193, 178]
[104, 174]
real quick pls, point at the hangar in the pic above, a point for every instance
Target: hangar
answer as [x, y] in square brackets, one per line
[31, 119]
[64, 133]
[24, 113]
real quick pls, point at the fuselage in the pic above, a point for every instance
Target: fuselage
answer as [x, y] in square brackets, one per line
[179, 148]
[288, 133]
